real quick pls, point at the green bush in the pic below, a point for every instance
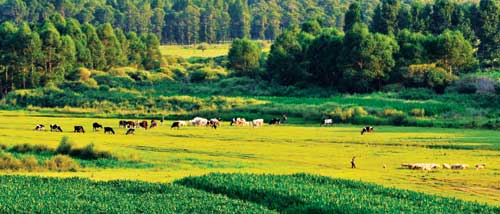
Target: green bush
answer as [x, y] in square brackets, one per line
[64, 146]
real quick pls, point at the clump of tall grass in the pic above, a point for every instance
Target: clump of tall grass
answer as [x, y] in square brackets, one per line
[62, 163]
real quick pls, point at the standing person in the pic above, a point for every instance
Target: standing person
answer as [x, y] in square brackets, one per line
[284, 118]
[353, 163]
[161, 121]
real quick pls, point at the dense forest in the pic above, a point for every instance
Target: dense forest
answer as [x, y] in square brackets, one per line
[362, 47]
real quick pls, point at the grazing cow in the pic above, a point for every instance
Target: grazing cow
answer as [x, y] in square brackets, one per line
[122, 124]
[176, 125]
[79, 129]
[459, 166]
[130, 131]
[258, 122]
[55, 128]
[238, 121]
[480, 166]
[327, 122]
[275, 121]
[39, 127]
[198, 121]
[131, 124]
[367, 129]
[214, 121]
[154, 124]
[143, 124]
[96, 126]
[109, 130]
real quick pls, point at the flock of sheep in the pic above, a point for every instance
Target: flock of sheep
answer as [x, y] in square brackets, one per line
[433, 166]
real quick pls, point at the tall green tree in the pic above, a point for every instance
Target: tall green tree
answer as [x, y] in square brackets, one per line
[366, 59]
[111, 44]
[240, 19]
[487, 22]
[353, 16]
[244, 57]
[385, 19]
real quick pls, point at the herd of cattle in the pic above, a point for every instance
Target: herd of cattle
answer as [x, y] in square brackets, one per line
[433, 166]
[197, 121]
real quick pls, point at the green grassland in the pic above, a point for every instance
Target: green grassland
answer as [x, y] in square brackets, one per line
[288, 149]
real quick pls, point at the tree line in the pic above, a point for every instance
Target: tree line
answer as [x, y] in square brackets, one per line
[187, 21]
[52, 51]
[416, 46]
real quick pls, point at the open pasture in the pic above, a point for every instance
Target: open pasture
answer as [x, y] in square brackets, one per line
[286, 149]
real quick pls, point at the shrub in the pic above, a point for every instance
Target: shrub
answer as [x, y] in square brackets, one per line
[389, 112]
[417, 112]
[416, 94]
[89, 153]
[83, 74]
[27, 148]
[3, 147]
[64, 146]
[30, 163]
[8, 162]
[62, 163]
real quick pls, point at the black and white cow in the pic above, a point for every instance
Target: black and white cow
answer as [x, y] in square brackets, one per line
[130, 131]
[39, 127]
[275, 121]
[55, 128]
[367, 129]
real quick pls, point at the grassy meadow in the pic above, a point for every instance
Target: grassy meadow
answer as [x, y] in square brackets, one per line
[189, 51]
[288, 149]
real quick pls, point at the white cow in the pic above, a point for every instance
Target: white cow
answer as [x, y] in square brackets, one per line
[459, 166]
[327, 122]
[198, 121]
[258, 122]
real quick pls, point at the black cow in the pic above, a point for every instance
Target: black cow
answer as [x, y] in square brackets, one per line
[39, 127]
[275, 121]
[143, 124]
[96, 126]
[176, 125]
[367, 129]
[130, 131]
[122, 124]
[55, 128]
[108, 130]
[79, 129]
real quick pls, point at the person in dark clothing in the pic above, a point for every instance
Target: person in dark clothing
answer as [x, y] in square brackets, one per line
[353, 163]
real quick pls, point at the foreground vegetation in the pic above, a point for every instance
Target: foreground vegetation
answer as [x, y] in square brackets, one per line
[164, 155]
[228, 193]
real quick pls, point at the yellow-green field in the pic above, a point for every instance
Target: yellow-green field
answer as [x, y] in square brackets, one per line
[282, 150]
[188, 51]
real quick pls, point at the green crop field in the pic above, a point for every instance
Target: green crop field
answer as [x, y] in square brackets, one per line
[221, 193]
[165, 155]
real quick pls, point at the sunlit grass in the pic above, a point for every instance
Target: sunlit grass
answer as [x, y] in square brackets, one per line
[288, 149]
